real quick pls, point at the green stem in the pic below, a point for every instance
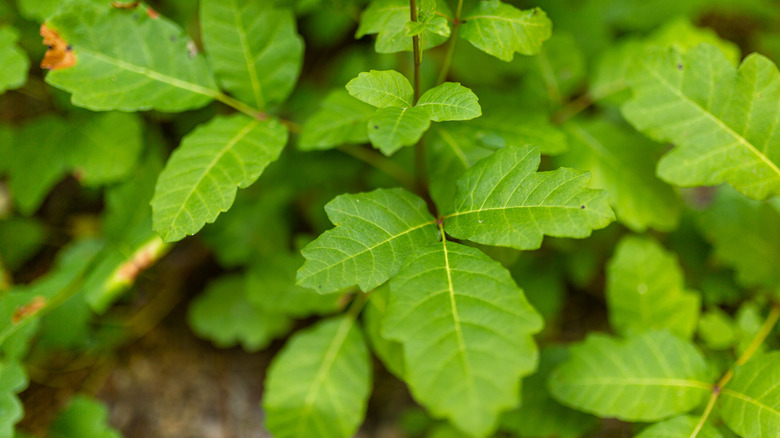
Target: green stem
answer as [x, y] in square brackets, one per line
[445, 67]
[416, 51]
[240, 106]
[755, 343]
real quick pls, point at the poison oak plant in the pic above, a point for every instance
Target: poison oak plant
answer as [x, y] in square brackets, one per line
[442, 157]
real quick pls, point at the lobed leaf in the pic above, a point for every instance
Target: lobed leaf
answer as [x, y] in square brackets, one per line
[466, 330]
[646, 290]
[502, 200]
[129, 61]
[750, 403]
[255, 49]
[375, 232]
[13, 380]
[13, 59]
[392, 128]
[340, 120]
[85, 418]
[450, 101]
[721, 119]
[318, 385]
[622, 162]
[201, 177]
[382, 89]
[389, 19]
[501, 29]
[647, 378]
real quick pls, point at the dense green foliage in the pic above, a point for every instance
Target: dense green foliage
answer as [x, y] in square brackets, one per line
[537, 217]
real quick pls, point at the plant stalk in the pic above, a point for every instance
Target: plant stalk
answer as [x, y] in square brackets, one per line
[416, 51]
[445, 67]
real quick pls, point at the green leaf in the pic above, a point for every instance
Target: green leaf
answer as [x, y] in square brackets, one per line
[622, 163]
[224, 315]
[255, 49]
[450, 101]
[716, 116]
[389, 18]
[749, 403]
[37, 10]
[271, 288]
[539, 415]
[501, 29]
[382, 89]
[13, 59]
[435, 25]
[746, 237]
[647, 378]
[107, 148]
[318, 385]
[201, 177]
[680, 427]
[12, 381]
[646, 290]
[392, 128]
[502, 200]
[375, 233]
[389, 352]
[129, 62]
[85, 418]
[716, 330]
[466, 330]
[20, 239]
[340, 120]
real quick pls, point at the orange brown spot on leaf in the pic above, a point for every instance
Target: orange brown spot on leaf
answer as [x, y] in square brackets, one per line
[125, 5]
[152, 13]
[60, 54]
[28, 310]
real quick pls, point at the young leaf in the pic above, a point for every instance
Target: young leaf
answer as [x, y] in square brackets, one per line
[382, 89]
[340, 120]
[392, 128]
[466, 333]
[502, 200]
[501, 29]
[13, 59]
[200, 179]
[450, 101]
[647, 378]
[129, 62]
[389, 18]
[375, 233]
[318, 385]
[255, 49]
[683, 426]
[746, 237]
[750, 401]
[716, 115]
[646, 290]
[623, 163]
[85, 418]
[224, 314]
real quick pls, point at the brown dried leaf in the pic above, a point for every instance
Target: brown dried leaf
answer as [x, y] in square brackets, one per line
[60, 54]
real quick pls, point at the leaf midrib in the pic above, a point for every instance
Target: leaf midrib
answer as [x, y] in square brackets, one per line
[250, 66]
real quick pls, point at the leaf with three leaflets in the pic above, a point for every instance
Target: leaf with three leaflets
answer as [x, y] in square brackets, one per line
[129, 62]
[501, 29]
[721, 119]
[647, 378]
[14, 61]
[749, 402]
[200, 179]
[340, 120]
[375, 232]
[466, 330]
[504, 201]
[318, 385]
[255, 49]
[646, 290]
[389, 18]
